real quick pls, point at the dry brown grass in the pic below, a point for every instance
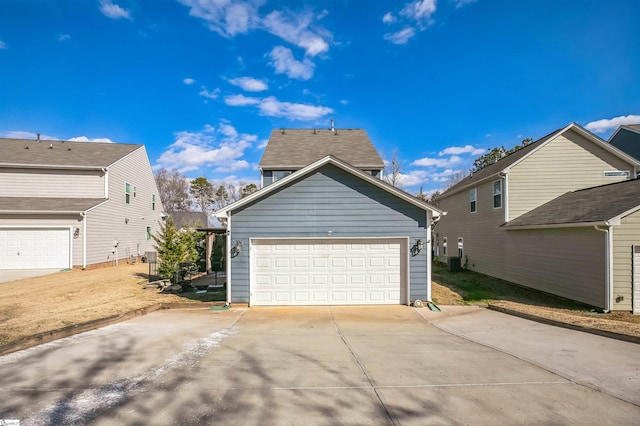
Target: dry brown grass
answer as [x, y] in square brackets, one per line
[36, 305]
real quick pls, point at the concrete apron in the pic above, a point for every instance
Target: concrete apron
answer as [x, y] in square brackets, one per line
[315, 365]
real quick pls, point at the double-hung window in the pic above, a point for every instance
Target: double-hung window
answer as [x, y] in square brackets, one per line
[497, 194]
[444, 246]
[472, 200]
[153, 201]
[127, 193]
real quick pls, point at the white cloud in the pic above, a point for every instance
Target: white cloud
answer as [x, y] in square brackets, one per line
[221, 148]
[3, 45]
[86, 139]
[467, 149]
[188, 81]
[283, 62]
[240, 100]
[296, 29]
[437, 162]
[213, 94]
[226, 17]
[271, 107]
[249, 84]
[601, 126]
[388, 18]
[113, 11]
[420, 10]
[412, 178]
[344, 101]
[63, 37]
[400, 37]
[461, 3]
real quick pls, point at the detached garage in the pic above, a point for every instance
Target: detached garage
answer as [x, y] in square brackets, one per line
[328, 234]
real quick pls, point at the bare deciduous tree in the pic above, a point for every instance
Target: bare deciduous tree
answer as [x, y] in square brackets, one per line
[174, 190]
[393, 170]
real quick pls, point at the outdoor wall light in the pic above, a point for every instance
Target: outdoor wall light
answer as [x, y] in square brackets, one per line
[76, 233]
[417, 247]
[235, 250]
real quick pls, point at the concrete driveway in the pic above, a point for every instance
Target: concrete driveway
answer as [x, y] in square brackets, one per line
[316, 365]
[7, 275]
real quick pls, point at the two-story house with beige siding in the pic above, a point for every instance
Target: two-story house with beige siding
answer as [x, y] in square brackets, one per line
[530, 219]
[75, 204]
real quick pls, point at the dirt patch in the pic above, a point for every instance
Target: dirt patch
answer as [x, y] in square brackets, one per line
[41, 304]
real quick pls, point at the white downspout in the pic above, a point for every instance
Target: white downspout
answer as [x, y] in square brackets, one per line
[106, 181]
[228, 256]
[608, 265]
[84, 240]
[505, 192]
[429, 259]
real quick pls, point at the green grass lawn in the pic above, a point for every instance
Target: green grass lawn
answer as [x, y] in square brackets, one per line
[475, 287]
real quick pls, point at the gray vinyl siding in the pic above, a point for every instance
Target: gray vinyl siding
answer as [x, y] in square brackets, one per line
[627, 141]
[483, 240]
[568, 262]
[107, 223]
[328, 199]
[51, 183]
[567, 163]
[625, 237]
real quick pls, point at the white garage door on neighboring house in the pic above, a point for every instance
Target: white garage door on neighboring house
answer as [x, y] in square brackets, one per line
[328, 272]
[35, 248]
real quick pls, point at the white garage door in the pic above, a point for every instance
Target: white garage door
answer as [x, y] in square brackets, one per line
[328, 272]
[34, 248]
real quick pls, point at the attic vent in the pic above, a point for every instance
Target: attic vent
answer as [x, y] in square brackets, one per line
[26, 147]
[283, 131]
[617, 173]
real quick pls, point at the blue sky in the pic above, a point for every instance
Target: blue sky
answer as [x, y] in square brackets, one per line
[201, 83]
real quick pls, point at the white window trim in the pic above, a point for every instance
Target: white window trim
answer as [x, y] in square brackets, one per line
[493, 190]
[473, 200]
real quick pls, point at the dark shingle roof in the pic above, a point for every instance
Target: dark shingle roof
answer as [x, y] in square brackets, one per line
[190, 219]
[635, 127]
[590, 205]
[62, 153]
[297, 148]
[47, 205]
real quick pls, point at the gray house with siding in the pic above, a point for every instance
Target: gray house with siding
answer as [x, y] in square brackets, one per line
[328, 232]
[627, 139]
[75, 204]
[559, 215]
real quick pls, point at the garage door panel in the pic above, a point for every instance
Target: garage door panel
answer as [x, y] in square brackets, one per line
[313, 273]
[34, 248]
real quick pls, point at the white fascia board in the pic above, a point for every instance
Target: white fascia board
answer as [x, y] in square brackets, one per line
[617, 219]
[49, 166]
[314, 166]
[603, 144]
[560, 225]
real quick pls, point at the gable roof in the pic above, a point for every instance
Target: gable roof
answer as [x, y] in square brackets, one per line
[627, 139]
[61, 154]
[38, 205]
[504, 164]
[600, 205]
[289, 149]
[224, 212]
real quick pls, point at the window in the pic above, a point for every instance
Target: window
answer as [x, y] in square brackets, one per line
[472, 199]
[460, 247]
[134, 191]
[148, 232]
[127, 193]
[497, 194]
[444, 246]
[277, 175]
[153, 201]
